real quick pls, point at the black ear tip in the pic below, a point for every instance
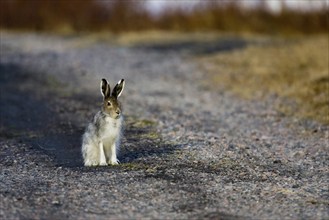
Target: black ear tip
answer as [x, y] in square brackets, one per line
[121, 82]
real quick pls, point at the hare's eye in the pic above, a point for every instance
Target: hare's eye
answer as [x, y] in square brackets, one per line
[109, 103]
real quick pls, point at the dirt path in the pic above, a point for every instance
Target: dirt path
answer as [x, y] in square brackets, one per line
[189, 150]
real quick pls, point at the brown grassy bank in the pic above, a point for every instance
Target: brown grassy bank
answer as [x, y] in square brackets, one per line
[294, 69]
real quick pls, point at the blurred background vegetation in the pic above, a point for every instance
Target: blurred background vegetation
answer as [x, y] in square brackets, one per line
[128, 15]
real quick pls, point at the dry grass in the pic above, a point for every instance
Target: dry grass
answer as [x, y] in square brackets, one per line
[119, 16]
[164, 37]
[294, 69]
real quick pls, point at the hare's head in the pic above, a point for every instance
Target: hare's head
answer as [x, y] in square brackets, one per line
[111, 105]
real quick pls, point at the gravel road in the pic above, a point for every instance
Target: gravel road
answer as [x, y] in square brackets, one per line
[190, 151]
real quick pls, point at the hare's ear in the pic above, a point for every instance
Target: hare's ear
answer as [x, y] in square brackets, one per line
[105, 88]
[118, 88]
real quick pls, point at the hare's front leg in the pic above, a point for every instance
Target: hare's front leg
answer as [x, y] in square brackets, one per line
[113, 159]
[102, 159]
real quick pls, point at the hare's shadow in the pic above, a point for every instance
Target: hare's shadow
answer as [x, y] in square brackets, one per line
[137, 145]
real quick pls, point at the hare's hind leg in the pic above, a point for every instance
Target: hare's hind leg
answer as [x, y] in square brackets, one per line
[90, 155]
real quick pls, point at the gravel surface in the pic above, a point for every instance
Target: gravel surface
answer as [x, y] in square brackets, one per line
[190, 151]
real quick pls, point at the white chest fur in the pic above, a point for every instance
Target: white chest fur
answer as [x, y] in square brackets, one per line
[111, 130]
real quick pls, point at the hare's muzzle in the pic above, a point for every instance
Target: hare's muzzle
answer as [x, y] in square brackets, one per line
[118, 113]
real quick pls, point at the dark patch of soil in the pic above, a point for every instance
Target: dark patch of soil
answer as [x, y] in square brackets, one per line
[30, 113]
[196, 48]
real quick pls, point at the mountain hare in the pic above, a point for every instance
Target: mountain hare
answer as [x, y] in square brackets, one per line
[100, 141]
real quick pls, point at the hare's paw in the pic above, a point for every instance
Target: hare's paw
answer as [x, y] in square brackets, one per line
[91, 163]
[103, 163]
[114, 161]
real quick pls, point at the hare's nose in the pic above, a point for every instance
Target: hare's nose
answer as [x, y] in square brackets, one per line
[118, 112]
